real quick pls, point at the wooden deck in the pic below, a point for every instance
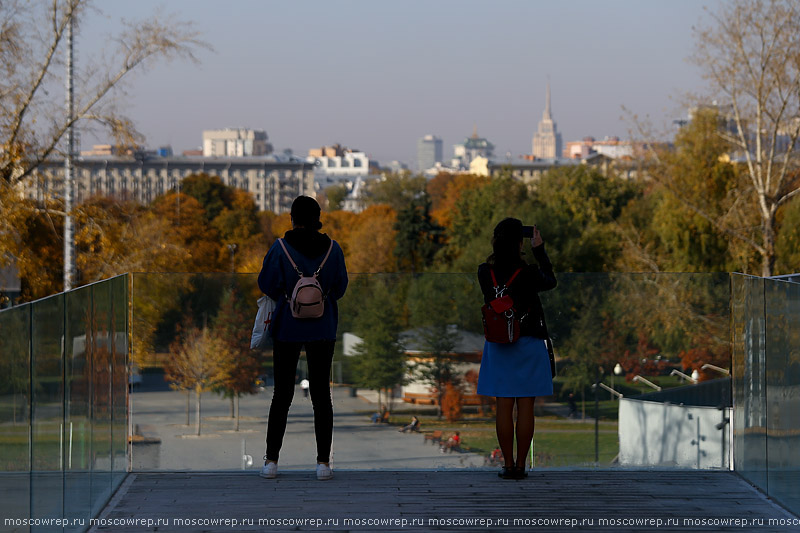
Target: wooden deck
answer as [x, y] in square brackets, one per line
[450, 500]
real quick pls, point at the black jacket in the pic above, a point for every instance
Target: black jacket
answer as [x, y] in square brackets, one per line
[524, 290]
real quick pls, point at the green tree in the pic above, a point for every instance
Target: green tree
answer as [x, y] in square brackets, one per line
[433, 313]
[380, 362]
[213, 195]
[477, 211]
[395, 190]
[418, 238]
[335, 195]
[577, 209]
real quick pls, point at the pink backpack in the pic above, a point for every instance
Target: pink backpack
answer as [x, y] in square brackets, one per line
[308, 299]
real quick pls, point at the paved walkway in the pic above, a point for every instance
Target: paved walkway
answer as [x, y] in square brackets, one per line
[549, 500]
[357, 443]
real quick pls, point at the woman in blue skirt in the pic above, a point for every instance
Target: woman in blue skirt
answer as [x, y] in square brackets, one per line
[516, 373]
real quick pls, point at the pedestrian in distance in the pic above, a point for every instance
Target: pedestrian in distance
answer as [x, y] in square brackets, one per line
[515, 373]
[303, 323]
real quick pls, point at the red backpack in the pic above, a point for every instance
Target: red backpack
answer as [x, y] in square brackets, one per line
[500, 322]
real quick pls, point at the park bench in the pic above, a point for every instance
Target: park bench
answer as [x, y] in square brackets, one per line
[434, 437]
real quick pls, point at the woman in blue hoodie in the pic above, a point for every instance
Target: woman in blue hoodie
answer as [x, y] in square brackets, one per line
[308, 249]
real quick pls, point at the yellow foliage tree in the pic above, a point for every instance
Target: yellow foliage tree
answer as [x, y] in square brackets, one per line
[200, 361]
[370, 247]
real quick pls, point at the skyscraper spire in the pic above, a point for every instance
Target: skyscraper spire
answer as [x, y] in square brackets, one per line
[547, 103]
[547, 140]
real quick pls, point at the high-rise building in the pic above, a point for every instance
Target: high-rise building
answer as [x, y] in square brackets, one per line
[472, 147]
[429, 152]
[547, 140]
[235, 142]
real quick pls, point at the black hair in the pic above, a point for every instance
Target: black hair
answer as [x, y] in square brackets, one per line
[505, 242]
[305, 212]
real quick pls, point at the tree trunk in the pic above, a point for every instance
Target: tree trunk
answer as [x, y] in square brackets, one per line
[768, 237]
[233, 411]
[237, 411]
[198, 394]
[188, 399]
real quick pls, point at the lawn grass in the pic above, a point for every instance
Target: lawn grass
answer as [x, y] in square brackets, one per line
[557, 441]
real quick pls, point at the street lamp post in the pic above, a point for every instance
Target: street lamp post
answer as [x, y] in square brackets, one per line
[618, 370]
[597, 416]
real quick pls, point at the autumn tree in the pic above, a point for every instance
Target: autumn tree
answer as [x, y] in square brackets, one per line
[32, 123]
[230, 327]
[371, 243]
[662, 232]
[749, 57]
[35, 241]
[200, 361]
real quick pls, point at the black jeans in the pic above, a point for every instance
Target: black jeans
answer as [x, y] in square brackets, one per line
[320, 356]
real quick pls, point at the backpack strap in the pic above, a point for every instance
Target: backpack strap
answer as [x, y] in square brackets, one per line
[289, 257]
[330, 247]
[498, 291]
[299, 272]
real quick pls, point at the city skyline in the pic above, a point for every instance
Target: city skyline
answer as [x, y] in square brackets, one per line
[378, 76]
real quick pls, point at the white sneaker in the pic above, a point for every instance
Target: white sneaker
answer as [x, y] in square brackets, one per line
[324, 472]
[269, 470]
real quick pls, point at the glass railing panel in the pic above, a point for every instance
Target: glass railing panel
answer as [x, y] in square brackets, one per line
[101, 339]
[78, 406]
[119, 379]
[749, 387]
[783, 390]
[15, 416]
[419, 332]
[47, 409]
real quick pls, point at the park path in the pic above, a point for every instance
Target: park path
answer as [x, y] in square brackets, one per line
[358, 444]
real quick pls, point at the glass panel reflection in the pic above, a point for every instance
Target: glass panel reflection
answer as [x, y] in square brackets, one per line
[47, 408]
[119, 356]
[413, 343]
[15, 413]
[783, 390]
[101, 339]
[749, 342]
[78, 405]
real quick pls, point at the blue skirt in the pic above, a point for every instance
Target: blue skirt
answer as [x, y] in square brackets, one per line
[518, 370]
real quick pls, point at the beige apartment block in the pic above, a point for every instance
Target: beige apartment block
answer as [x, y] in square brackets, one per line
[235, 142]
[273, 183]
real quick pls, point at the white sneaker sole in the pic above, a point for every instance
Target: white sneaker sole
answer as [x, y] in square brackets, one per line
[267, 476]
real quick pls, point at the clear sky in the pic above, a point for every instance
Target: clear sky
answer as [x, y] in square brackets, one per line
[378, 75]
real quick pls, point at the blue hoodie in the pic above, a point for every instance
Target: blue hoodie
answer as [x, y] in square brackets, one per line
[277, 280]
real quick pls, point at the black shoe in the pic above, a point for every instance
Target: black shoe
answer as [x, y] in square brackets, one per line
[507, 472]
[520, 472]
